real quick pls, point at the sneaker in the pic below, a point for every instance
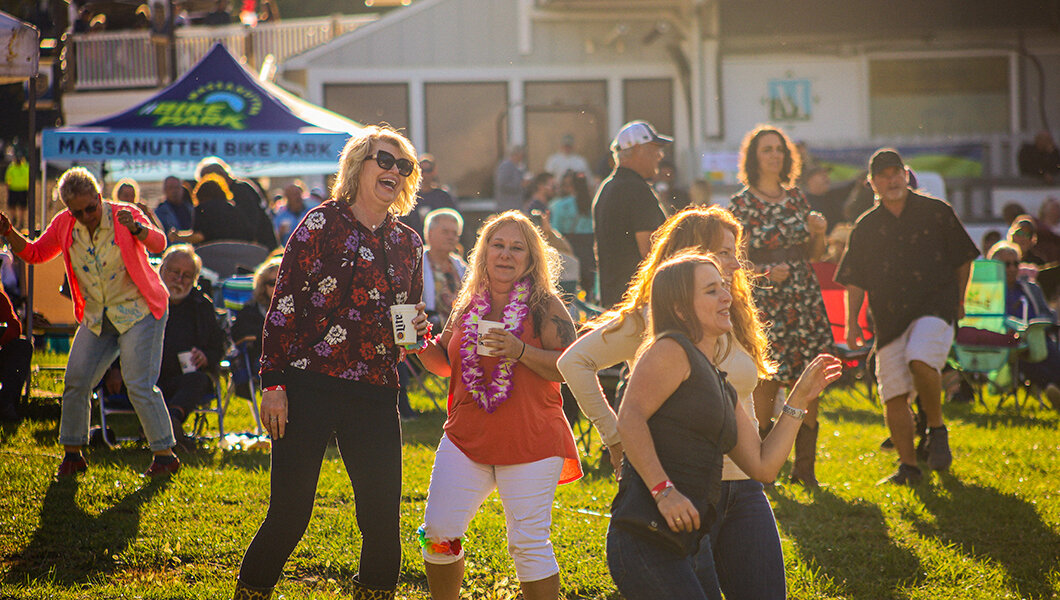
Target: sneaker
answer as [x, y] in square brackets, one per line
[159, 468]
[938, 448]
[1052, 394]
[71, 466]
[905, 475]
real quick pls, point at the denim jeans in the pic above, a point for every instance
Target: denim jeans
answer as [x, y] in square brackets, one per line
[140, 349]
[742, 554]
[645, 571]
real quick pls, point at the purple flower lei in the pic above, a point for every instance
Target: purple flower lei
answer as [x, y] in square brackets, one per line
[500, 386]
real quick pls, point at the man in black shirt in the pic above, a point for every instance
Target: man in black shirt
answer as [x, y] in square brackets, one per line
[913, 257]
[626, 211]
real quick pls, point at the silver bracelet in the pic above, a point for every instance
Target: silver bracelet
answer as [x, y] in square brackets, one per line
[791, 411]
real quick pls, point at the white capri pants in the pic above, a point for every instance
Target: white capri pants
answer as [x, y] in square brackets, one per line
[927, 339]
[458, 488]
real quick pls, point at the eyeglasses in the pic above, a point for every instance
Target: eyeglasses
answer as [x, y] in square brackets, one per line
[91, 208]
[186, 276]
[386, 160]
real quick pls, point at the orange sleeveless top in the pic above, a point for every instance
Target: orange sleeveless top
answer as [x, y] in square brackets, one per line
[527, 427]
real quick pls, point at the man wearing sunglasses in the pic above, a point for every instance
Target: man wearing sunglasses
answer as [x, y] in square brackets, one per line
[121, 306]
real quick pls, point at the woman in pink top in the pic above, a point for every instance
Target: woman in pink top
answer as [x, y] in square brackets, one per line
[121, 306]
[506, 429]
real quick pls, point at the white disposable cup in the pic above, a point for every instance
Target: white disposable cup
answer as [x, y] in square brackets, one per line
[484, 328]
[186, 365]
[401, 316]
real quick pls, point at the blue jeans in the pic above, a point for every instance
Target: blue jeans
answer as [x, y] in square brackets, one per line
[645, 571]
[742, 555]
[141, 356]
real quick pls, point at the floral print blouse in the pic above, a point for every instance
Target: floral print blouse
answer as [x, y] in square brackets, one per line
[330, 313]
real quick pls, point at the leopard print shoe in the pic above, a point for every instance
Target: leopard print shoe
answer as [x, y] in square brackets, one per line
[361, 592]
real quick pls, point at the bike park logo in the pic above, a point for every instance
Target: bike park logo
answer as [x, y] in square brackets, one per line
[220, 104]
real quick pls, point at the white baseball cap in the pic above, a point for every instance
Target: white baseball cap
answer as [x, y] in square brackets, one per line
[635, 133]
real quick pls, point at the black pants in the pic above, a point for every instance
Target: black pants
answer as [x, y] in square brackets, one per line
[365, 418]
[15, 358]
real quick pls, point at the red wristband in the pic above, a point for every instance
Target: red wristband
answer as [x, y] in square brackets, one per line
[655, 491]
[274, 388]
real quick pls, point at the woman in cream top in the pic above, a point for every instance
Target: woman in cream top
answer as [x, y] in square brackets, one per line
[745, 532]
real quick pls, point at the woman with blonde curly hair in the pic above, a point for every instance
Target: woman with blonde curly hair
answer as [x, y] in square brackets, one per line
[329, 369]
[745, 531]
[505, 429]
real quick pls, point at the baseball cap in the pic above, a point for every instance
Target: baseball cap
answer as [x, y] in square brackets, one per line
[636, 133]
[885, 158]
[318, 192]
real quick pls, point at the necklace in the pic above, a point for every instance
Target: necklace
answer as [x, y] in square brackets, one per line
[490, 396]
[758, 191]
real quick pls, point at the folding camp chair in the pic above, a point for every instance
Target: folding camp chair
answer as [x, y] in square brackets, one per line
[984, 349]
[241, 363]
[856, 364]
[118, 404]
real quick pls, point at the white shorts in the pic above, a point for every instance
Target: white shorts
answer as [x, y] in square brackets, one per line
[927, 339]
[459, 486]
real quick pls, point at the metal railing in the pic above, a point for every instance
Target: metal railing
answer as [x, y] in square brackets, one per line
[132, 59]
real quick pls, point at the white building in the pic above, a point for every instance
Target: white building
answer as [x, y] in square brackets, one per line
[468, 77]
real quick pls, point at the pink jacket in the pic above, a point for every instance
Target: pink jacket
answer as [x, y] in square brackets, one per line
[59, 237]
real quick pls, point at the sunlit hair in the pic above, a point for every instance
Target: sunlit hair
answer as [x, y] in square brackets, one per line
[749, 167]
[1002, 246]
[213, 164]
[443, 213]
[211, 186]
[261, 275]
[543, 265]
[357, 150]
[76, 182]
[673, 295]
[126, 182]
[187, 250]
[702, 229]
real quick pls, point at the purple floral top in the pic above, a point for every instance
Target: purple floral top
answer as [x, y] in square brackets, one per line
[330, 313]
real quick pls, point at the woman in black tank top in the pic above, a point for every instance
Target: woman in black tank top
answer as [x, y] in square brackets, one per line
[676, 423]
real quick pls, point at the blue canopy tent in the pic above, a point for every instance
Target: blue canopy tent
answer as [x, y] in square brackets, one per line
[218, 108]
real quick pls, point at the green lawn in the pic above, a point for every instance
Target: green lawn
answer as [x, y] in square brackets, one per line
[989, 529]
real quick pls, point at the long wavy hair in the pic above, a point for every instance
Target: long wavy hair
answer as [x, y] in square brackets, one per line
[701, 229]
[352, 160]
[673, 292]
[543, 267]
[749, 167]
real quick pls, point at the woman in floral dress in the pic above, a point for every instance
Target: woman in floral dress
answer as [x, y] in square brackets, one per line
[783, 235]
[328, 368]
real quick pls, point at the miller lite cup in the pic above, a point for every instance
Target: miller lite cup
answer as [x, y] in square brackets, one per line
[401, 315]
[484, 327]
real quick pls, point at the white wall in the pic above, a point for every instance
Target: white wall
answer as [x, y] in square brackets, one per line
[836, 90]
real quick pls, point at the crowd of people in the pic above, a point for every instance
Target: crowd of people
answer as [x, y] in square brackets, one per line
[716, 314]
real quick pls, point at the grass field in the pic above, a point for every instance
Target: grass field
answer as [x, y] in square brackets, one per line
[988, 529]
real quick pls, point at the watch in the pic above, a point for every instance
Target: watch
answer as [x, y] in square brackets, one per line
[791, 411]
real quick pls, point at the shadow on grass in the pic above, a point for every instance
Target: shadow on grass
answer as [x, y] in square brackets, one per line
[849, 542]
[70, 545]
[860, 416]
[990, 525]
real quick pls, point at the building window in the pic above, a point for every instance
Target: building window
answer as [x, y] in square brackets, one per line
[650, 100]
[463, 133]
[558, 108]
[370, 103]
[939, 96]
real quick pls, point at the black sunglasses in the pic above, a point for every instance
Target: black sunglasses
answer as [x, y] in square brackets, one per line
[385, 160]
[85, 211]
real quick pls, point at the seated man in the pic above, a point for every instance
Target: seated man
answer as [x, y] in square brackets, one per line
[1024, 299]
[194, 342]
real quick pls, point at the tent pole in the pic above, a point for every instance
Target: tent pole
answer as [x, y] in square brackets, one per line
[34, 165]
